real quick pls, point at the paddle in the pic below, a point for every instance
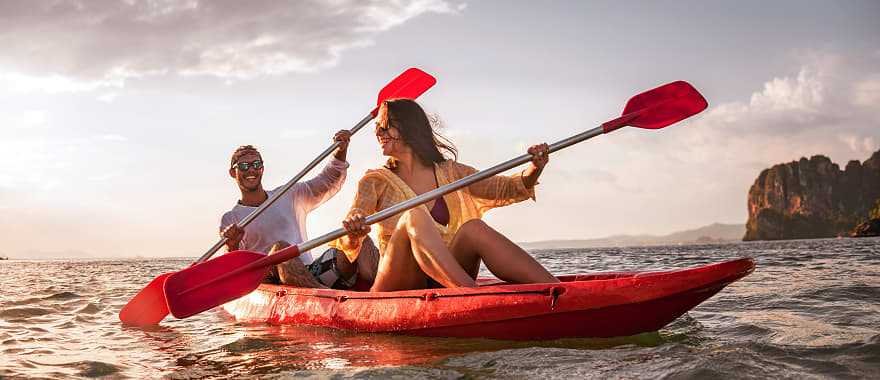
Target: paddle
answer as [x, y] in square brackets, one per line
[215, 282]
[148, 307]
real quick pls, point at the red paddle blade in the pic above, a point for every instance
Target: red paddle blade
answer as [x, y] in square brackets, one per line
[186, 296]
[409, 84]
[148, 307]
[660, 107]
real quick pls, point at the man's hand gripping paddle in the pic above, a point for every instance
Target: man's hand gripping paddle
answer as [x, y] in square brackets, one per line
[218, 281]
[149, 306]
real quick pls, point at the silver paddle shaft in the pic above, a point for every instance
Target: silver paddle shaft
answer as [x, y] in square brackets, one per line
[443, 190]
[247, 220]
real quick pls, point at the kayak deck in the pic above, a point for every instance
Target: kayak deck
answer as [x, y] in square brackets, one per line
[592, 305]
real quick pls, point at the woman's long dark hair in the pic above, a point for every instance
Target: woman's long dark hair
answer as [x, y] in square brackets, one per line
[416, 131]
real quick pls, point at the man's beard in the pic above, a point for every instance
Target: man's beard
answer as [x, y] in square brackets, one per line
[250, 189]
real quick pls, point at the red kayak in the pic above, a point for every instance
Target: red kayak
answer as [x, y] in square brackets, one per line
[590, 305]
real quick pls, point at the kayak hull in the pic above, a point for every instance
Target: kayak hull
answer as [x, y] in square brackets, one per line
[593, 305]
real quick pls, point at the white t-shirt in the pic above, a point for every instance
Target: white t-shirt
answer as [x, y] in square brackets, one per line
[285, 220]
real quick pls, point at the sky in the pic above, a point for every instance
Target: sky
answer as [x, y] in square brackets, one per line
[118, 117]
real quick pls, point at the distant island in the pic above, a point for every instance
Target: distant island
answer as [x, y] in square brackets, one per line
[50, 255]
[813, 198]
[714, 233]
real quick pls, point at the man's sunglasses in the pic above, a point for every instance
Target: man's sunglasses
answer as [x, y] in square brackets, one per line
[244, 166]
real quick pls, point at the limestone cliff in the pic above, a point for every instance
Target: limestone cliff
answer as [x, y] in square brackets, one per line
[870, 227]
[812, 198]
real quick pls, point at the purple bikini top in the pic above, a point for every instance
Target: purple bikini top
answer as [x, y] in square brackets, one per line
[440, 212]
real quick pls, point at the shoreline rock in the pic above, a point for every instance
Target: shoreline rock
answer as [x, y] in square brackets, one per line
[812, 198]
[869, 228]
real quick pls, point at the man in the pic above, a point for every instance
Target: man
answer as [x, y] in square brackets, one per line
[284, 222]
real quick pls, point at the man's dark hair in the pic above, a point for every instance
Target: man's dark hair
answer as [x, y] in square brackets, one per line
[241, 151]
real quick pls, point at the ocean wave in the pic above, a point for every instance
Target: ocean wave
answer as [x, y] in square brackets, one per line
[90, 308]
[24, 312]
[63, 296]
[95, 369]
[247, 344]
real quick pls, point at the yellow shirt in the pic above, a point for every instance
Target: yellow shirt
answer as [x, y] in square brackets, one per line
[381, 188]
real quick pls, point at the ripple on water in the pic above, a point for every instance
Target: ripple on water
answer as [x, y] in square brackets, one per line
[189, 373]
[188, 360]
[826, 360]
[247, 344]
[89, 309]
[538, 362]
[66, 325]
[26, 301]
[38, 329]
[63, 296]
[850, 292]
[84, 319]
[24, 312]
[85, 368]
[748, 331]
[95, 369]
[865, 352]
[405, 372]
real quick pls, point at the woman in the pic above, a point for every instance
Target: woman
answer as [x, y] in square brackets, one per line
[444, 241]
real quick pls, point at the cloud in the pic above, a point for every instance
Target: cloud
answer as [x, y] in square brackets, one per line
[109, 97]
[17, 83]
[83, 45]
[826, 105]
[867, 92]
[859, 143]
[790, 104]
[45, 163]
[27, 119]
[803, 93]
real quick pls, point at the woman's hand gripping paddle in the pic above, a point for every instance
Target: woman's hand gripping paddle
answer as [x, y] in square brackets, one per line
[149, 306]
[215, 282]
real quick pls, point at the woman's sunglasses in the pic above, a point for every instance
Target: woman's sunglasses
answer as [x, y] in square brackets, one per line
[383, 131]
[244, 166]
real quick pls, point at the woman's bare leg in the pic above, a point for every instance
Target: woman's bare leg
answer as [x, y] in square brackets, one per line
[417, 250]
[398, 269]
[475, 240]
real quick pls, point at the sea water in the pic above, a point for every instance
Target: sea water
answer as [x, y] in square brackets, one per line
[811, 309]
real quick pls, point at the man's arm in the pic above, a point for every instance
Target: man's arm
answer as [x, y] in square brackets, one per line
[312, 193]
[230, 230]
[343, 137]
